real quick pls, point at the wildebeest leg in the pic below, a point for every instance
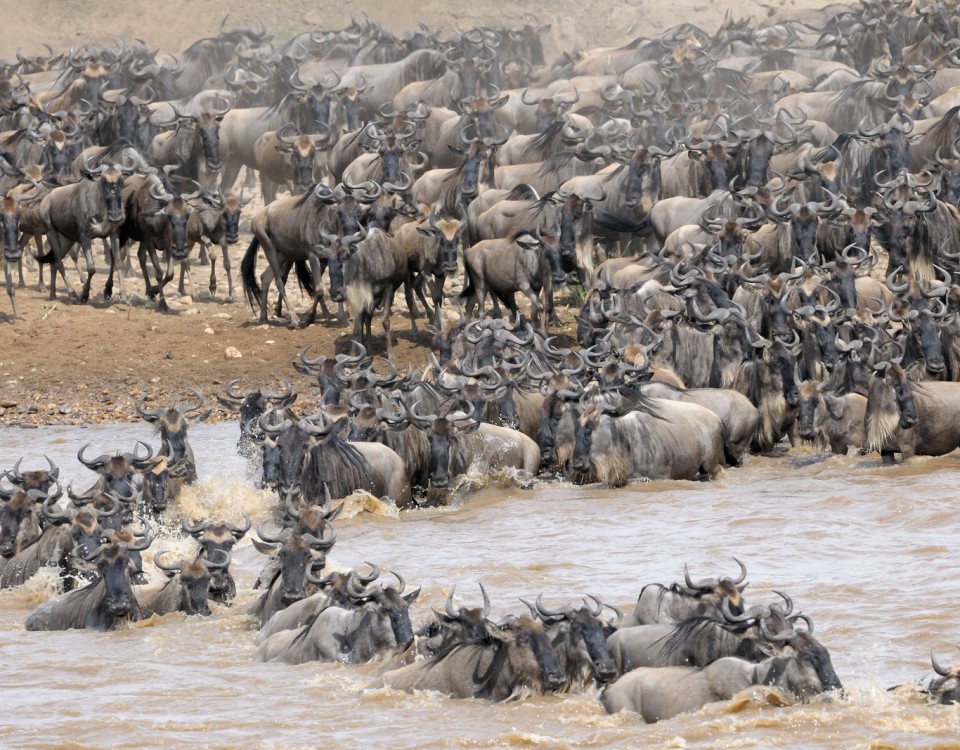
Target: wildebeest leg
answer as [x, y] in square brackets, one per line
[162, 281]
[116, 266]
[226, 269]
[317, 267]
[408, 285]
[185, 269]
[24, 242]
[149, 289]
[436, 294]
[20, 270]
[228, 175]
[270, 251]
[284, 274]
[58, 245]
[87, 246]
[11, 292]
[385, 319]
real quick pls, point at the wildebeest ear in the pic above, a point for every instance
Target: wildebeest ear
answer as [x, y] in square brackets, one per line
[425, 232]
[456, 150]
[834, 406]
[288, 401]
[231, 405]
[283, 149]
[411, 597]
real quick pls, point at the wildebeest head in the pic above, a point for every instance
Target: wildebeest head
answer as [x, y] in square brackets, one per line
[457, 624]
[446, 234]
[218, 539]
[468, 173]
[18, 509]
[37, 479]
[116, 472]
[115, 567]
[891, 398]
[172, 426]
[806, 411]
[195, 576]
[726, 590]
[299, 556]
[785, 366]
[391, 604]
[446, 449]
[252, 404]
[110, 184]
[530, 654]
[919, 314]
[805, 668]
[579, 637]
[945, 687]
[177, 215]
[337, 253]
[558, 404]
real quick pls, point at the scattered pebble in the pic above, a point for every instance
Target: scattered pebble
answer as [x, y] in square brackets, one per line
[231, 352]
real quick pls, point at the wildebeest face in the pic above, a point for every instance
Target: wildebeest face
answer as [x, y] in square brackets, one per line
[804, 227]
[809, 399]
[230, 217]
[10, 229]
[194, 583]
[295, 555]
[113, 567]
[442, 436]
[903, 390]
[86, 532]
[208, 129]
[786, 365]
[177, 215]
[534, 654]
[14, 512]
[583, 443]
[111, 185]
[588, 630]
[217, 542]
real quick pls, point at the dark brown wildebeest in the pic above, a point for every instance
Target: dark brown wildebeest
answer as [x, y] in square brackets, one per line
[116, 473]
[172, 425]
[215, 538]
[80, 212]
[20, 521]
[430, 246]
[368, 273]
[193, 145]
[217, 219]
[10, 241]
[288, 159]
[187, 589]
[102, 605]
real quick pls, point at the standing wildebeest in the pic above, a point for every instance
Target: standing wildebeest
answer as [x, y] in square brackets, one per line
[216, 219]
[289, 232]
[524, 262]
[660, 604]
[430, 247]
[102, 605]
[286, 158]
[911, 418]
[460, 443]
[514, 660]
[10, 240]
[194, 146]
[658, 693]
[368, 273]
[830, 419]
[453, 189]
[81, 212]
[659, 440]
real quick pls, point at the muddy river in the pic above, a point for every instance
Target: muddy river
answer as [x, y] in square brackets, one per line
[869, 552]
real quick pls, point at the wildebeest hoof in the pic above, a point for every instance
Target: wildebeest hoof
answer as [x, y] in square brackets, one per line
[162, 305]
[230, 298]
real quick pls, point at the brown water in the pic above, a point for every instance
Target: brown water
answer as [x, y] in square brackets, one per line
[869, 552]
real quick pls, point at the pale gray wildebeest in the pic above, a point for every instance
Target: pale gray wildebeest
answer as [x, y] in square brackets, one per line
[738, 416]
[314, 460]
[649, 438]
[376, 627]
[454, 625]
[834, 420]
[104, 604]
[294, 556]
[579, 638]
[524, 262]
[460, 443]
[913, 419]
[665, 605]
[770, 382]
[659, 693]
[514, 660]
[187, 588]
[696, 641]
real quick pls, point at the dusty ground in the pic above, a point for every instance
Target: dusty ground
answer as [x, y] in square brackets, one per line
[79, 363]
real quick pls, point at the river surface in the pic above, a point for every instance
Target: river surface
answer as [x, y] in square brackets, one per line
[869, 552]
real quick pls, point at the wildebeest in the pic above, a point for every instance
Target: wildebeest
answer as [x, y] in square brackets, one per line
[662, 604]
[656, 439]
[945, 687]
[911, 418]
[830, 419]
[104, 604]
[116, 472]
[375, 628]
[658, 693]
[80, 212]
[185, 591]
[218, 538]
[514, 660]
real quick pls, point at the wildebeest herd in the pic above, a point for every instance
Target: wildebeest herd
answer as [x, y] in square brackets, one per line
[761, 223]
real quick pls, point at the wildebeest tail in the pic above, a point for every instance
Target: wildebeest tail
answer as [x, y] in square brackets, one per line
[616, 223]
[248, 274]
[304, 277]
